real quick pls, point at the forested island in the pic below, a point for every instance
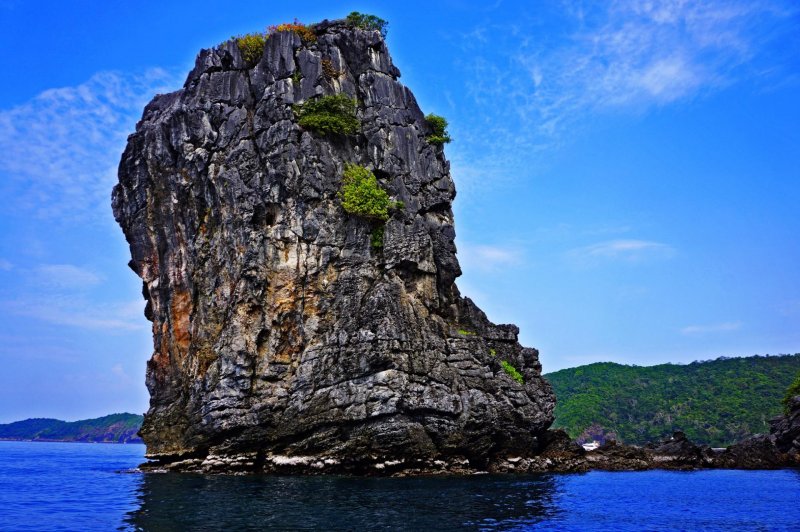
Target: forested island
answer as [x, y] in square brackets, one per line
[717, 402]
[114, 428]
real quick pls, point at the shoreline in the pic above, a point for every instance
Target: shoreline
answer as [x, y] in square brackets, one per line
[558, 454]
[70, 441]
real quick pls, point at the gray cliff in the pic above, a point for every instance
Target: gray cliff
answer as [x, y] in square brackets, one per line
[283, 340]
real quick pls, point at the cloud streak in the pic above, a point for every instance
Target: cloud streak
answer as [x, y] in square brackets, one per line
[79, 313]
[691, 330]
[627, 250]
[600, 57]
[60, 150]
[486, 257]
[66, 295]
[66, 276]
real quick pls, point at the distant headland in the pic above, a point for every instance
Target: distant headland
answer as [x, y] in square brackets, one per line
[114, 428]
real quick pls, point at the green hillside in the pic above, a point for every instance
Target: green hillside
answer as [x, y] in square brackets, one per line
[116, 428]
[717, 402]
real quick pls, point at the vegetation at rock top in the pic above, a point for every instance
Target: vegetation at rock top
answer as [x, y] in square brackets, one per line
[114, 428]
[251, 46]
[304, 31]
[361, 194]
[367, 22]
[334, 114]
[715, 402]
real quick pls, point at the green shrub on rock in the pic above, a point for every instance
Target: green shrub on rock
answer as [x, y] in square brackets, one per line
[327, 115]
[251, 46]
[361, 195]
[367, 22]
[439, 126]
[376, 239]
[512, 371]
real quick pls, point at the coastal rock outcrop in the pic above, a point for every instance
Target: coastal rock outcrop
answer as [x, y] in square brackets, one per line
[780, 448]
[286, 337]
[560, 454]
[785, 430]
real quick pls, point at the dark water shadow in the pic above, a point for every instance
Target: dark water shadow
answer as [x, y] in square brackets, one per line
[199, 502]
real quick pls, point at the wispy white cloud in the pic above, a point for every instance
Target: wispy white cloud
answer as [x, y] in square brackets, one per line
[540, 82]
[38, 346]
[72, 312]
[66, 276]
[487, 257]
[118, 372]
[61, 149]
[646, 53]
[67, 295]
[628, 250]
[711, 328]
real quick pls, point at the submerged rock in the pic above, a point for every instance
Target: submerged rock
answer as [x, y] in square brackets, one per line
[284, 340]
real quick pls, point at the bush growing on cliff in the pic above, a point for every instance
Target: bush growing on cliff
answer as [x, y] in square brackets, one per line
[512, 371]
[304, 31]
[439, 126]
[376, 238]
[363, 196]
[367, 22]
[251, 46]
[327, 115]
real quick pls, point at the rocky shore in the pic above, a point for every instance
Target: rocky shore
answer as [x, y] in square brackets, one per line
[559, 454]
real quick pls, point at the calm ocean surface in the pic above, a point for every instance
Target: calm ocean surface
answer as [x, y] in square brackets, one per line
[71, 486]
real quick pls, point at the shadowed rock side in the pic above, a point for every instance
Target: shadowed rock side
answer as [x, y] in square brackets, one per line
[283, 339]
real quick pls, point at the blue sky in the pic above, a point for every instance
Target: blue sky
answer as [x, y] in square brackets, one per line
[628, 175]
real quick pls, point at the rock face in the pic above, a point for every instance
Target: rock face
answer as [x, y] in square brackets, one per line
[785, 430]
[283, 339]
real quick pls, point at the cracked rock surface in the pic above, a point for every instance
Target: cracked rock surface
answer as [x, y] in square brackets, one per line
[283, 340]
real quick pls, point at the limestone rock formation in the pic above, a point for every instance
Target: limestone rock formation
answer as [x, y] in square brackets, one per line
[283, 339]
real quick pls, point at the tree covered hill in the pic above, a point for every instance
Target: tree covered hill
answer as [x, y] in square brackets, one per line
[716, 402]
[114, 428]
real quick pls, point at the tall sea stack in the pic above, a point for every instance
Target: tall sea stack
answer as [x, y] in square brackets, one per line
[285, 336]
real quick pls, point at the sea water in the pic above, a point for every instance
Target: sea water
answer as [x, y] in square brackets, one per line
[71, 486]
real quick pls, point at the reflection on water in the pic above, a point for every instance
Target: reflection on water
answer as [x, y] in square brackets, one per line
[648, 500]
[198, 502]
